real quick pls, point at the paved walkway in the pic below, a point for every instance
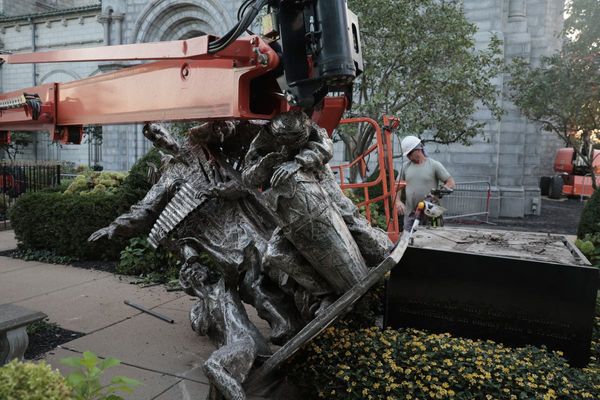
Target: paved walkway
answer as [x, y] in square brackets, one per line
[165, 357]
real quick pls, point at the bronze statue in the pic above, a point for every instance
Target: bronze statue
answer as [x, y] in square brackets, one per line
[289, 250]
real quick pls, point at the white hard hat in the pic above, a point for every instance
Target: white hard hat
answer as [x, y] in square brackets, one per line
[408, 144]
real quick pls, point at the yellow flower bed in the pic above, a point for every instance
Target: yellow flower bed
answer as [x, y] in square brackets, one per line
[371, 363]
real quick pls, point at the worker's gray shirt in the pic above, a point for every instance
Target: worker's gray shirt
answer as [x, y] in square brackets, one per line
[420, 179]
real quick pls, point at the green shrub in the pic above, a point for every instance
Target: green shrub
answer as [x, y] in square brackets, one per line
[408, 364]
[590, 217]
[590, 247]
[139, 258]
[44, 256]
[61, 223]
[95, 182]
[32, 381]
[137, 183]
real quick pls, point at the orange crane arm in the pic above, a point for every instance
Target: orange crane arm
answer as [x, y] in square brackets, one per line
[187, 84]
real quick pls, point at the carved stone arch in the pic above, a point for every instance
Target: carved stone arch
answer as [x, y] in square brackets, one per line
[185, 28]
[159, 16]
[59, 75]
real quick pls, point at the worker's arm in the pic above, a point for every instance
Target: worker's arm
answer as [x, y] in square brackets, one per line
[400, 206]
[450, 184]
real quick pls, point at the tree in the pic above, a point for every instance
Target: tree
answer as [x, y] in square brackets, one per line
[18, 141]
[422, 66]
[582, 27]
[563, 95]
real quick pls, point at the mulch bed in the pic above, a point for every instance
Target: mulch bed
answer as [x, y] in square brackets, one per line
[45, 336]
[106, 266]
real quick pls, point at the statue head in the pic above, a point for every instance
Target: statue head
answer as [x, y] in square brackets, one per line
[161, 138]
[291, 128]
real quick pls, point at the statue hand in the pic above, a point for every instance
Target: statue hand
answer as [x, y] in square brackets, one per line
[284, 172]
[230, 190]
[271, 159]
[106, 232]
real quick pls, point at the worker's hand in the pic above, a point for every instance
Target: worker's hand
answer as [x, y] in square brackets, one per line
[284, 172]
[400, 207]
[106, 232]
[271, 159]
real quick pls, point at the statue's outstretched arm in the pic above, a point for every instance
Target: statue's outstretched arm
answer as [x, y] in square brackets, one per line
[139, 219]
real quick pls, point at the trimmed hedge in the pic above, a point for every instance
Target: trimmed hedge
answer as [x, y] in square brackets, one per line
[61, 222]
[590, 217]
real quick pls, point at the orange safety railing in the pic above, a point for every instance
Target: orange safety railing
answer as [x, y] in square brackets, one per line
[383, 149]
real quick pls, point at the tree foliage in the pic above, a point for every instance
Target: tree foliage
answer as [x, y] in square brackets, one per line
[582, 27]
[422, 66]
[19, 140]
[563, 95]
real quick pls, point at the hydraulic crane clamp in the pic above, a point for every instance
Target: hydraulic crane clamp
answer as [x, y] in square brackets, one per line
[319, 43]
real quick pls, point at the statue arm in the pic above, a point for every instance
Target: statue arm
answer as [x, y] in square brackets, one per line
[318, 150]
[139, 219]
[258, 168]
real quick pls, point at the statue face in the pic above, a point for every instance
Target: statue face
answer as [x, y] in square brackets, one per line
[290, 128]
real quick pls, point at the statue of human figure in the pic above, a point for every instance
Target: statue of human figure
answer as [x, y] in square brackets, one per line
[288, 160]
[194, 208]
[200, 204]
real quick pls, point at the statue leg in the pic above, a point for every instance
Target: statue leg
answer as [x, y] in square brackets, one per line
[374, 243]
[228, 366]
[272, 305]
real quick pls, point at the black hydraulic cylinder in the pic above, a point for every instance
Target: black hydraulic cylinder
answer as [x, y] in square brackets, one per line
[334, 60]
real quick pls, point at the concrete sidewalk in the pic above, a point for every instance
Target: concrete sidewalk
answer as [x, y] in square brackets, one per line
[166, 358]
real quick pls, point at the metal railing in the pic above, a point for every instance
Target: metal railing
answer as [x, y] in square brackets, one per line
[17, 179]
[469, 201]
[384, 186]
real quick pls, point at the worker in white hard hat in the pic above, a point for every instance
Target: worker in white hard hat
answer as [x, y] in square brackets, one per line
[421, 174]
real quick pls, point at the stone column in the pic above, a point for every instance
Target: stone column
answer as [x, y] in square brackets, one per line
[105, 19]
[118, 18]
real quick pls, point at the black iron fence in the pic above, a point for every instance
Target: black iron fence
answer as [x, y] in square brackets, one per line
[17, 179]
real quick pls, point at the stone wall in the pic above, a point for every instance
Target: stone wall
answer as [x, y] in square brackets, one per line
[49, 29]
[514, 152]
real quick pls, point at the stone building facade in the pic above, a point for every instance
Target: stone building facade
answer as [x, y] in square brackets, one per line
[512, 154]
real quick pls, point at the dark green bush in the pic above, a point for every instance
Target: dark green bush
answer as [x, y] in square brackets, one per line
[137, 183]
[61, 223]
[590, 217]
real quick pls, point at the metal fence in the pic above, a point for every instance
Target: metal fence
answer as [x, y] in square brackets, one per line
[469, 201]
[17, 179]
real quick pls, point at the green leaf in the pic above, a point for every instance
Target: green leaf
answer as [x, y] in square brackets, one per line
[89, 360]
[75, 379]
[108, 363]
